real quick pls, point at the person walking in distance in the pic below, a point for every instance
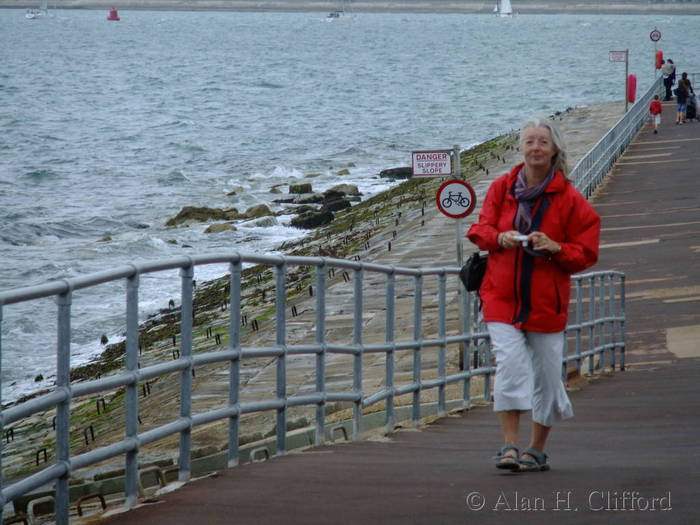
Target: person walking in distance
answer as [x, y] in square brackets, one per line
[682, 95]
[655, 110]
[538, 230]
[668, 70]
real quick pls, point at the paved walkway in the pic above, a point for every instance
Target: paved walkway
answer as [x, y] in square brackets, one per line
[631, 454]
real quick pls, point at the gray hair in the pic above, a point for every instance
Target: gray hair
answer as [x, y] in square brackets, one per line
[560, 159]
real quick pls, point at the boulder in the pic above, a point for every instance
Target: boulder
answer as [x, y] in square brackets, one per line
[201, 214]
[337, 205]
[259, 210]
[345, 189]
[343, 172]
[304, 187]
[220, 227]
[308, 198]
[312, 219]
[397, 173]
[262, 222]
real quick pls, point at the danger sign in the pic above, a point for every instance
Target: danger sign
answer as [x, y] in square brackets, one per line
[456, 198]
[437, 163]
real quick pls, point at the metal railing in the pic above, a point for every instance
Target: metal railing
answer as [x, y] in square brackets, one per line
[590, 170]
[596, 334]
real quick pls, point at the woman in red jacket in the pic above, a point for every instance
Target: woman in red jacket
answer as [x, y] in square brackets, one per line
[538, 230]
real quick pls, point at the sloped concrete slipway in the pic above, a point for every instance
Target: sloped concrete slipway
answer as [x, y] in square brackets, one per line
[631, 454]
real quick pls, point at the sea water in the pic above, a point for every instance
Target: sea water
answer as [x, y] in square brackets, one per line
[107, 129]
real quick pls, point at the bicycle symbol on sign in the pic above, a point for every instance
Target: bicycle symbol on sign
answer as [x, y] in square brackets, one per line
[456, 198]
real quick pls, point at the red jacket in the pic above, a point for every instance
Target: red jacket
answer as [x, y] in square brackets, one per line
[655, 107]
[532, 292]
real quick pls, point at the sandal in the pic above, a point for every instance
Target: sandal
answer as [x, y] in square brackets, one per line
[538, 463]
[507, 461]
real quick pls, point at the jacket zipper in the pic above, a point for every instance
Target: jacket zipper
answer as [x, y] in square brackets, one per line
[516, 285]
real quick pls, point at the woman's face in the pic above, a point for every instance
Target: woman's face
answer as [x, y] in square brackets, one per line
[538, 148]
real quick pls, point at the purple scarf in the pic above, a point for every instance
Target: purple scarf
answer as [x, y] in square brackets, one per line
[527, 197]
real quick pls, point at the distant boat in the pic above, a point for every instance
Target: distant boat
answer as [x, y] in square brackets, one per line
[42, 12]
[503, 8]
[339, 14]
[113, 15]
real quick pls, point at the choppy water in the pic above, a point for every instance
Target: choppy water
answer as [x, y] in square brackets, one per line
[108, 129]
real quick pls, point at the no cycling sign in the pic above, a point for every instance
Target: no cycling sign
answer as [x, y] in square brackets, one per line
[455, 198]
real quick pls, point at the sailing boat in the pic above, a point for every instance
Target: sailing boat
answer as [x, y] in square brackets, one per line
[42, 12]
[503, 8]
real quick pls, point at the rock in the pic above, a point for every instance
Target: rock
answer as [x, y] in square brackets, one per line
[337, 205]
[351, 164]
[301, 209]
[397, 173]
[220, 227]
[312, 175]
[308, 198]
[106, 238]
[275, 191]
[171, 241]
[262, 222]
[343, 172]
[304, 187]
[201, 214]
[287, 200]
[231, 194]
[38, 378]
[104, 340]
[312, 219]
[259, 210]
[332, 195]
[345, 189]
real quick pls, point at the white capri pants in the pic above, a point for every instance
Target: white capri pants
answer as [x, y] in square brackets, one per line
[529, 373]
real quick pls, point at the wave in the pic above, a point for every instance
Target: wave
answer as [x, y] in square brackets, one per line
[41, 175]
[269, 85]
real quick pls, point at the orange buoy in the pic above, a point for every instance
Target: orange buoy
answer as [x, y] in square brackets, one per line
[631, 87]
[659, 59]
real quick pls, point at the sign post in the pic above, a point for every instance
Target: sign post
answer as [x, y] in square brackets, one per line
[459, 224]
[622, 56]
[655, 36]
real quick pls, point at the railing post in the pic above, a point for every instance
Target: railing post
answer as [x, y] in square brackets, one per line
[62, 501]
[321, 355]
[591, 324]
[132, 408]
[186, 275]
[609, 294]
[357, 358]
[281, 342]
[417, 338]
[600, 323]
[623, 316]
[2, 426]
[579, 320]
[442, 333]
[390, 418]
[466, 346]
[235, 363]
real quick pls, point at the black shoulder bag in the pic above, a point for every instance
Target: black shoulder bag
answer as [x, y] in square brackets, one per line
[472, 273]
